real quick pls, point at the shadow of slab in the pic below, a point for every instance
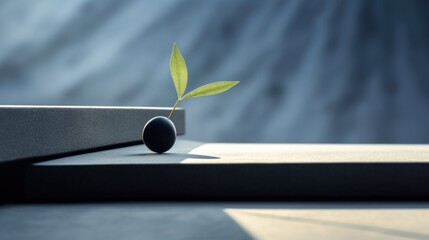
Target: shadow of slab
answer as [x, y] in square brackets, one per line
[110, 221]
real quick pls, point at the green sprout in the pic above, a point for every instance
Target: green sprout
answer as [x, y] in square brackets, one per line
[179, 74]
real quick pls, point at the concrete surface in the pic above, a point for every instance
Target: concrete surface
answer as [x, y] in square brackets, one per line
[162, 221]
[197, 171]
[192, 152]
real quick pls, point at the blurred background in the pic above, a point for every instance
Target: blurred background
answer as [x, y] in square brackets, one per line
[310, 71]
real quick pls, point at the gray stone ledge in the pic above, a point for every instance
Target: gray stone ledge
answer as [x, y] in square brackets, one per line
[37, 131]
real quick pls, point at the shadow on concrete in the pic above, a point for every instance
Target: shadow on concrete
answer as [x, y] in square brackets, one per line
[118, 221]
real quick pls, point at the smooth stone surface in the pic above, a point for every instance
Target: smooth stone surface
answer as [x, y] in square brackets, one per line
[214, 171]
[272, 221]
[159, 134]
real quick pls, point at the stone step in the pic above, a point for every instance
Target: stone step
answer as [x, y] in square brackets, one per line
[38, 131]
[197, 171]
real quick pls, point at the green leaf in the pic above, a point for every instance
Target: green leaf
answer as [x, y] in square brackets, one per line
[211, 89]
[179, 72]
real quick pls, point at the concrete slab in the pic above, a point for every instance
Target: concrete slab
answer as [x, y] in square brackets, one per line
[197, 171]
[37, 131]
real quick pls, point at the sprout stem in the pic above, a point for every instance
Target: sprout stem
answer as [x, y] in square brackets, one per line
[174, 108]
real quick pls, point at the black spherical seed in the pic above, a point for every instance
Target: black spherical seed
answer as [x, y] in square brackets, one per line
[159, 134]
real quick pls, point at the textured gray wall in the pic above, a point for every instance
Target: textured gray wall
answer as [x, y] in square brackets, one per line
[310, 71]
